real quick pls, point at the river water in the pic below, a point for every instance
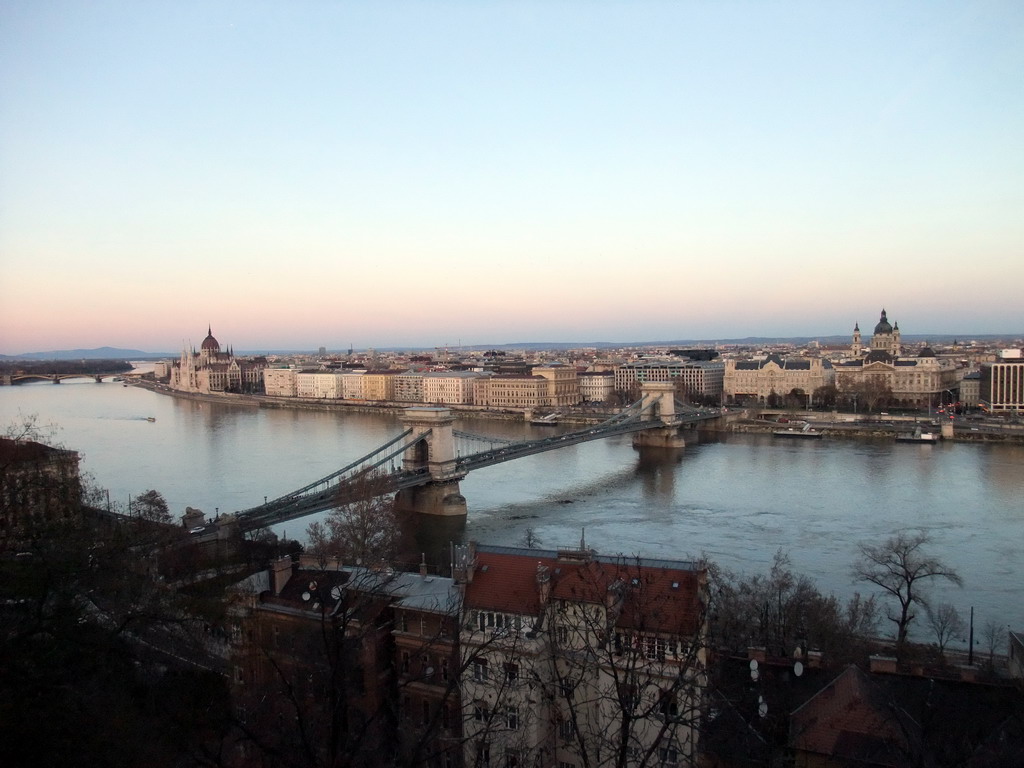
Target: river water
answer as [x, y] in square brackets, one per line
[736, 498]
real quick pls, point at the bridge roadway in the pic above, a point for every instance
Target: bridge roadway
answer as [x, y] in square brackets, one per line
[56, 378]
[330, 492]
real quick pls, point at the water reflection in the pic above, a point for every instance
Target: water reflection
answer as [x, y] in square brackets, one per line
[656, 468]
[737, 497]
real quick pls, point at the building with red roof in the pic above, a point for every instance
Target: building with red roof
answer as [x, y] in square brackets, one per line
[571, 658]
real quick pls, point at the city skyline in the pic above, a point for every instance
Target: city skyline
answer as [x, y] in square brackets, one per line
[429, 175]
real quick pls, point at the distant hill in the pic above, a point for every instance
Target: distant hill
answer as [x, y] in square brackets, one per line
[101, 353]
[116, 353]
[746, 341]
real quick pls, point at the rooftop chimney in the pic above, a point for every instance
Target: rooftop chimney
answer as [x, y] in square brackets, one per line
[281, 571]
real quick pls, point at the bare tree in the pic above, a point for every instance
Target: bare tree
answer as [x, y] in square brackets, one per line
[363, 528]
[336, 670]
[994, 635]
[945, 623]
[782, 611]
[901, 567]
[628, 663]
[873, 391]
[530, 539]
[152, 506]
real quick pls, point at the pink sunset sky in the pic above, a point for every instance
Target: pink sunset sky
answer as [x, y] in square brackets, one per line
[410, 174]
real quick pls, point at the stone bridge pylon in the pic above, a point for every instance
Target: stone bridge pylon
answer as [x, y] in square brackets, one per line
[435, 454]
[659, 404]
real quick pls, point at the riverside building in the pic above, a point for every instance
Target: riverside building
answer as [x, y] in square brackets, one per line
[759, 380]
[1001, 384]
[885, 375]
[211, 370]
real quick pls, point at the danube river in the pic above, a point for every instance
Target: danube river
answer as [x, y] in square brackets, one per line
[737, 498]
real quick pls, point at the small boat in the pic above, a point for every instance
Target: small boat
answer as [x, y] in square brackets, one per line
[804, 432]
[151, 418]
[919, 436]
[550, 420]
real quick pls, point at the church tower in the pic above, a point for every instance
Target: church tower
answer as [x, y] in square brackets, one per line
[857, 345]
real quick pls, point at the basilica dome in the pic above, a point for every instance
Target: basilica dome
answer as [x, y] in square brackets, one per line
[883, 325]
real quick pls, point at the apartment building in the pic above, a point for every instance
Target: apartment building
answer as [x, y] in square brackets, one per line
[379, 385]
[596, 386]
[569, 658]
[697, 377]
[409, 387]
[346, 663]
[352, 385]
[449, 387]
[1001, 388]
[280, 382]
[319, 384]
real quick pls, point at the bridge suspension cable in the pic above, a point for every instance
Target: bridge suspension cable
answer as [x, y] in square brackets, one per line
[348, 467]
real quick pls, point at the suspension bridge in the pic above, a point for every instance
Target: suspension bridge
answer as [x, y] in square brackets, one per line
[424, 463]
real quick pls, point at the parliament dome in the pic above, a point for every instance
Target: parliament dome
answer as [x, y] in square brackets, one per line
[210, 343]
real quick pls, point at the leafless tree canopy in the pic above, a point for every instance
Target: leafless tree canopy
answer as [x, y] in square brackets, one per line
[902, 567]
[945, 623]
[782, 611]
[362, 529]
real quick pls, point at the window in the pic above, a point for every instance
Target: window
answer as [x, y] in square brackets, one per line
[668, 707]
[403, 621]
[512, 718]
[668, 756]
[479, 713]
[480, 670]
[498, 622]
[444, 670]
[654, 648]
[405, 662]
[563, 635]
[565, 730]
[513, 758]
[629, 697]
[511, 671]
[426, 713]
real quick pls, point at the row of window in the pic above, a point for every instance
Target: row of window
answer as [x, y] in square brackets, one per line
[481, 673]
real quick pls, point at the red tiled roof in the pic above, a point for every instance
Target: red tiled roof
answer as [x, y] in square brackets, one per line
[851, 719]
[27, 450]
[656, 597]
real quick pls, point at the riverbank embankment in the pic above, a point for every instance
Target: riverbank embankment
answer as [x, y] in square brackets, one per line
[831, 425]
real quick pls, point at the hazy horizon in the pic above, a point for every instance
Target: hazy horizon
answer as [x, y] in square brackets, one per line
[913, 339]
[422, 175]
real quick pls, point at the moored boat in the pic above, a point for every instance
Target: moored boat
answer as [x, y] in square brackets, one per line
[804, 432]
[919, 436]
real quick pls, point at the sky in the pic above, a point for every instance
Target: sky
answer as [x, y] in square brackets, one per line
[419, 174]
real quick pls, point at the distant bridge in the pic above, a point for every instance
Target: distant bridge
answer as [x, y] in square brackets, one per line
[431, 466]
[57, 378]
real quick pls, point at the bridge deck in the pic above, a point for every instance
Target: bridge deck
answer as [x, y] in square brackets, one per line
[344, 485]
